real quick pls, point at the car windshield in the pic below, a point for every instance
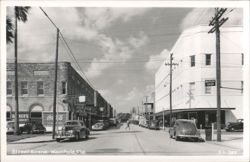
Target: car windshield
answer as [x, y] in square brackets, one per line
[186, 124]
[71, 123]
[99, 124]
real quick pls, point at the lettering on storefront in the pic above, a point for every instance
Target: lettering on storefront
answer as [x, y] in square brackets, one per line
[61, 118]
[23, 117]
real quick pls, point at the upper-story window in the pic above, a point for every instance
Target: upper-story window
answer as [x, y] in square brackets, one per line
[24, 88]
[208, 59]
[64, 87]
[40, 88]
[9, 88]
[242, 59]
[242, 86]
[192, 60]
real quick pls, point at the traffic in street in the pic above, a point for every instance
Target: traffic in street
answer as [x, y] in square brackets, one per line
[121, 140]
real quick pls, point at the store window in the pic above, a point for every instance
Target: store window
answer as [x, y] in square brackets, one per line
[24, 88]
[9, 88]
[192, 59]
[208, 59]
[40, 88]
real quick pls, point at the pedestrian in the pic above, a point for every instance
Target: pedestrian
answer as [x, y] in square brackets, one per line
[128, 127]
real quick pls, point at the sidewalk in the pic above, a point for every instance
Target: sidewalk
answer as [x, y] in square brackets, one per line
[228, 139]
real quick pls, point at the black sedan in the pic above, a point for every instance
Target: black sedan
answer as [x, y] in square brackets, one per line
[235, 126]
[184, 129]
[72, 129]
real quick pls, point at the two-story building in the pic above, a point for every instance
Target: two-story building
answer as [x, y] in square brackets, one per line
[194, 77]
[36, 90]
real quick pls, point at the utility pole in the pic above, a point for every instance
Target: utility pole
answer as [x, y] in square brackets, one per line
[55, 86]
[16, 80]
[170, 87]
[216, 22]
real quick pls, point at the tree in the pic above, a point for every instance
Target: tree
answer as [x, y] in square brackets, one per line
[20, 15]
[9, 30]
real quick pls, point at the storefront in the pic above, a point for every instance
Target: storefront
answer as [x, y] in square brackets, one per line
[204, 117]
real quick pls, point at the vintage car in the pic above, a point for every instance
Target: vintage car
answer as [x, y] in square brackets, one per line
[98, 126]
[32, 127]
[72, 129]
[154, 124]
[235, 126]
[184, 129]
[10, 127]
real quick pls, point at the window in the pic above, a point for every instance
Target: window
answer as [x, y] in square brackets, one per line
[9, 88]
[64, 88]
[242, 85]
[208, 59]
[242, 59]
[40, 88]
[208, 89]
[192, 59]
[24, 88]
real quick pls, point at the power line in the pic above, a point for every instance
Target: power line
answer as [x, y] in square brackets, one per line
[67, 46]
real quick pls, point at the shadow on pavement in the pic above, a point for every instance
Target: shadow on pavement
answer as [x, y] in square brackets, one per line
[107, 150]
[128, 131]
[68, 140]
[30, 142]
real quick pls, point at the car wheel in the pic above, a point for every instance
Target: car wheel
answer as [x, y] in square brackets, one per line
[77, 137]
[87, 135]
[177, 138]
[58, 140]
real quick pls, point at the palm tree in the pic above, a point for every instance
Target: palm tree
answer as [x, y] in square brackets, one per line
[9, 30]
[20, 15]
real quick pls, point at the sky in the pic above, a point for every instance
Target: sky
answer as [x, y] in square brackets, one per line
[118, 49]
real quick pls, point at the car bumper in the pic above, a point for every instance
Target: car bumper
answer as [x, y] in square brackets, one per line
[97, 129]
[65, 136]
[188, 136]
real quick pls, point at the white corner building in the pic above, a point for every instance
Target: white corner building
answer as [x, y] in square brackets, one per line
[192, 97]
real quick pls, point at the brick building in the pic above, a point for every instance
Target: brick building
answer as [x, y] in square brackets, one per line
[36, 89]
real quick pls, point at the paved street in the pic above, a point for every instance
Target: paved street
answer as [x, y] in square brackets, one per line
[119, 141]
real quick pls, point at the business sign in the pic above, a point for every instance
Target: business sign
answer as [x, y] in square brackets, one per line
[23, 117]
[61, 118]
[82, 99]
[209, 83]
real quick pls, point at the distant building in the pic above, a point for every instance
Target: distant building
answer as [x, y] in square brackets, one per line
[194, 90]
[36, 89]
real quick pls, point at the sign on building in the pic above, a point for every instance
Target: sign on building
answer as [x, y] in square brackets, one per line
[82, 99]
[209, 83]
[47, 118]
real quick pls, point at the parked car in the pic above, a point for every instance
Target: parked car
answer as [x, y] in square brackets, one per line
[113, 122]
[10, 127]
[184, 128]
[154, 124]
[32, 127]
[72, 129]
[235, 126]
[98, 126]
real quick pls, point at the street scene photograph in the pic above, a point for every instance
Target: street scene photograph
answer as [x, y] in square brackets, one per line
[146, 81]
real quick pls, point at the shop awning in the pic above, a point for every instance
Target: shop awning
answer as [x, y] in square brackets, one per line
[166, 112]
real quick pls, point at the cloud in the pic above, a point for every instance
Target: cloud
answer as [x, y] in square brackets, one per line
[114, 50]
[137, 42]
[100, 18]
[155, 60]
[200, 16]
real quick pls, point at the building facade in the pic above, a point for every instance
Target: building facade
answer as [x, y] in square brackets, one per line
[36, 90]
[194, 77]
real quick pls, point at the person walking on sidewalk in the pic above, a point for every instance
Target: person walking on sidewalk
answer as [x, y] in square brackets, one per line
[128, 127]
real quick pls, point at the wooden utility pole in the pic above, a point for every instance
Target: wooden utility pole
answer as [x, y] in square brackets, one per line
[170, 87]
[55, 86]
[16, 80]
[216, 22]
